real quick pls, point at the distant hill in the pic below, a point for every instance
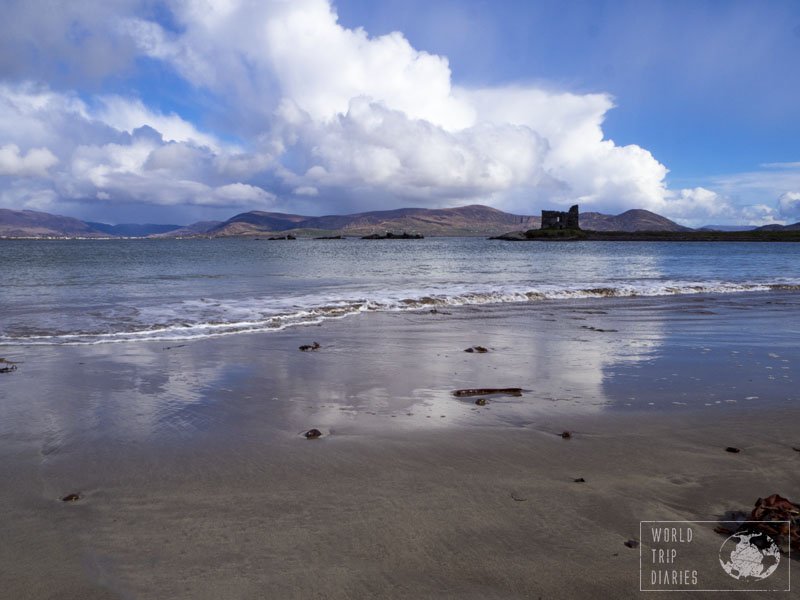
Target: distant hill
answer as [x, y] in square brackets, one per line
[31, 223]
[465, 220]
[256, 221]
[132, 229]
[727, 228]
[631, 220]
[776, 227]
[199, 228]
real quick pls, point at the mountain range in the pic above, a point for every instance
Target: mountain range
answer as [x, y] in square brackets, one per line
[473, 220]
[30, 223]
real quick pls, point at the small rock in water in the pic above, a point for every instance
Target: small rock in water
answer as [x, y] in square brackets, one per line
[478, 349]
[566, 435]
[579, 480]
[732, 449]
[481, 401]
[310, 347]
[12, 366]
[312, 434]
[71, 498]
[632, 544]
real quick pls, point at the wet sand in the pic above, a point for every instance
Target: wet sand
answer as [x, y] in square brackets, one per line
[196, 482]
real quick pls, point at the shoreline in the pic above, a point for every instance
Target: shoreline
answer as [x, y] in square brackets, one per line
[424, 301]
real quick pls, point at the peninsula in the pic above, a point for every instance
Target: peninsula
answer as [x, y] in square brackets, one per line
[566, 226]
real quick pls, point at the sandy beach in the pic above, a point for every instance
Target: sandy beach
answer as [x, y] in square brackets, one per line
[196, 482]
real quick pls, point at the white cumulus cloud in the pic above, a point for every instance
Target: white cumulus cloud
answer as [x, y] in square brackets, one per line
[789, 205]
[375, 114]
[115, 153]
[34, 163]
[125, 114]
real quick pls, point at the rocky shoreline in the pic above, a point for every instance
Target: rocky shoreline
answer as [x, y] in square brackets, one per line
[565, 235]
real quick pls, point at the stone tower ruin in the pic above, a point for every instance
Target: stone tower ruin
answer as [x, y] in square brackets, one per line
[557, 219]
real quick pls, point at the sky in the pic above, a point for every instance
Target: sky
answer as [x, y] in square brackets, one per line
[175, 112]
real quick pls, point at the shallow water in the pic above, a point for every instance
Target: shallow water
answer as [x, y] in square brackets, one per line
[397, 371]
[90, 291]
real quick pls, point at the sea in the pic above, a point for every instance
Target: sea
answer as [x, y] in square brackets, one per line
[104, 291]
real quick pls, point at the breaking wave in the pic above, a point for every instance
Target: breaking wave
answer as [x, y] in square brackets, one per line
[197, 319]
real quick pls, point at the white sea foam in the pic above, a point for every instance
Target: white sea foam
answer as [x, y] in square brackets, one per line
[209, 317]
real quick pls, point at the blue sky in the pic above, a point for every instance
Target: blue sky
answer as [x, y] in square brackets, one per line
[137, 110]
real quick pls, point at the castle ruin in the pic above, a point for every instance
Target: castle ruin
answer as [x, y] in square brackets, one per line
[558, 219]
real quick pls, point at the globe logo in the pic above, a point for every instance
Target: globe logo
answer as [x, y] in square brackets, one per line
[749, 556]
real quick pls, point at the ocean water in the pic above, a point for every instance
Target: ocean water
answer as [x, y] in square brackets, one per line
[102, 291]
